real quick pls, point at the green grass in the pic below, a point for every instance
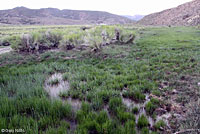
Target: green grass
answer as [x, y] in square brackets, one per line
[142, 122]
[98, 79]
[53, 82]
[159, 124]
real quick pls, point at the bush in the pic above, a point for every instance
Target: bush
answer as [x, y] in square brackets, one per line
[94, 39]
[51, 38]
[142, 122]
[10, 40]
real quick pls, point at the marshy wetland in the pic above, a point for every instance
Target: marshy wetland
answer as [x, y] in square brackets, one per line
[63, 79]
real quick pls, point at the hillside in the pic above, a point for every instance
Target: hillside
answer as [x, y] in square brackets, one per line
[187, 14]
[53, 16]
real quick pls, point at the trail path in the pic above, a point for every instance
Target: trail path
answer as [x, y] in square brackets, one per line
[5, 50]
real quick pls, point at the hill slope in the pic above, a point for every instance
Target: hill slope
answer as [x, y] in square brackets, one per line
[53, 16]
[186, 14]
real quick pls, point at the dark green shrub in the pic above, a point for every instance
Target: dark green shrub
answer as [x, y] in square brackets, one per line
[51, 38]
[142, 122]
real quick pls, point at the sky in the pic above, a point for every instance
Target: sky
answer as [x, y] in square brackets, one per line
[120, 7]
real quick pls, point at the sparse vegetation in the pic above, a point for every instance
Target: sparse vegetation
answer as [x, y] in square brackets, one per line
[159, 124]
[151, 106]
[53, 82]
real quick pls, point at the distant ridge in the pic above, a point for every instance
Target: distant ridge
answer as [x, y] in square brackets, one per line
[135, 17]
[187, 14]
[53, 16]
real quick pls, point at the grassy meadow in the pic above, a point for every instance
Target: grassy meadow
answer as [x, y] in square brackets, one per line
[122, 89]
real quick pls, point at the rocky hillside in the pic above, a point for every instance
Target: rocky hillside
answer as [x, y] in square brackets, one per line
[53, 16]
[187, 14]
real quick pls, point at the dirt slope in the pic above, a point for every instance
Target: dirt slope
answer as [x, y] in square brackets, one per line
[187, 14]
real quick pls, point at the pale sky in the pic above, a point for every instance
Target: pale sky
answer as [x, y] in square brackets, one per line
[120, 7]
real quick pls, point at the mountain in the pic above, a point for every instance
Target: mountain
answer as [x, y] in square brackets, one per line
[187, 14]
[135, 17]
[53, 16]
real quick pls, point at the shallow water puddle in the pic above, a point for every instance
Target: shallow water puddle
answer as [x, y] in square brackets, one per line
[75, 103]
[141, 107]
[55, 90]
[62, 86]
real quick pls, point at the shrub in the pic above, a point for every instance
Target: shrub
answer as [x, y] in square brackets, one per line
[94, 39]
[142, 122]
[11, 40]
[51, 38]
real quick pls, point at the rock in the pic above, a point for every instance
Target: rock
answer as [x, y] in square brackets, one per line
[198, 83]
[174, 91]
